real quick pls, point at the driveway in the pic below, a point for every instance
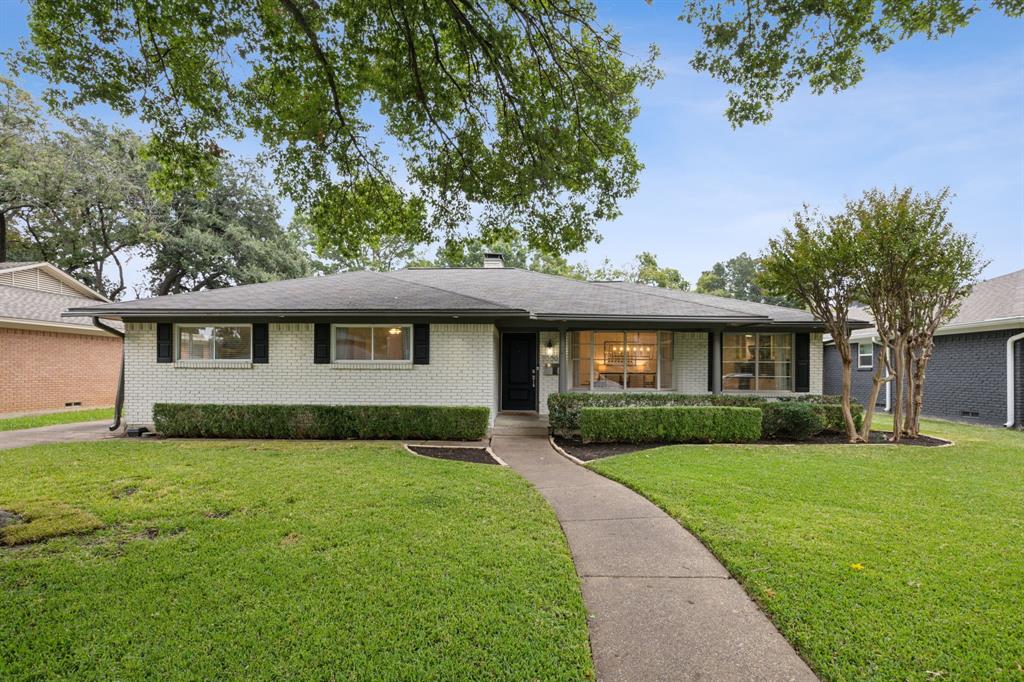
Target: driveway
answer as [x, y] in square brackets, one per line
[59, 433]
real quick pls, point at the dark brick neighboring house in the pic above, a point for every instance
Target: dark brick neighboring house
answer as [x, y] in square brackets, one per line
[967, 378]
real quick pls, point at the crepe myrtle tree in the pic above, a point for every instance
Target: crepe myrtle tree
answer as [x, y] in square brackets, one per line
[507, 113]
[815, 262]
[915, 271]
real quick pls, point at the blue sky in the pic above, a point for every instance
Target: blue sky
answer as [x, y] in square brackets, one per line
[928, 114]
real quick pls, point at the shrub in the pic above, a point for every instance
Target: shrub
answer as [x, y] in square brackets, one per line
[830, 409]
[321, 421]
[812, 398]
[794, 419]
[673, 423]
[564, 408]
[833, 416]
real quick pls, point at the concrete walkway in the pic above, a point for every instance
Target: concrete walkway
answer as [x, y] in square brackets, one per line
[58, 433]
[661, 606]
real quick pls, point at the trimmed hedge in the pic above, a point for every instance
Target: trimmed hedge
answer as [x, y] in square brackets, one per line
[564, 408]
[791, 419]
[321, 421]
[670, 424]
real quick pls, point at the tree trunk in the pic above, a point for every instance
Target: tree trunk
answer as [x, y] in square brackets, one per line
[3, 236]
[911, 388]
[851, 428]
[877, 380]
[900, 358]
[918, 397]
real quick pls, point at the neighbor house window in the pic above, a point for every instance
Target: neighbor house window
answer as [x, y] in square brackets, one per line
[757, 362]
[377, 343]
[617, 360]
[865, 355]
[215, 342]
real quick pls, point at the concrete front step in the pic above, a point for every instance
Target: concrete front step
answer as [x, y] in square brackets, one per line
[518, 430]
[512, 424]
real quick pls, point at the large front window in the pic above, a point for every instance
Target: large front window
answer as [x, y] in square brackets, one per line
[621, 360]
[215, 342]
[757, 362]
[380, 343]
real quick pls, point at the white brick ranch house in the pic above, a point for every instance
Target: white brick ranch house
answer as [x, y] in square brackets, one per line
[498, 337]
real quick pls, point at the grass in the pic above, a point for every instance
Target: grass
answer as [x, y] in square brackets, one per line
[876, 562]
[51, 418]
[46, 519]
[265, 560]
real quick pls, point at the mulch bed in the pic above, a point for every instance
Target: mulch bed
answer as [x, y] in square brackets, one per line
[473, 455]
[588, 452]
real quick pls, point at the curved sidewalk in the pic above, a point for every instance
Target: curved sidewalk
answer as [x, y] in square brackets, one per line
[661, 606]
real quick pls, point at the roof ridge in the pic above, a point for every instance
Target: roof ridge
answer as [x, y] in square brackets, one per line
[449, 291]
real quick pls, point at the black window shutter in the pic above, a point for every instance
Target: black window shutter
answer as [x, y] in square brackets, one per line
[802, 376]
[261, 343]
[711, 362]
[421, 344]
[164, 342]
[322, 343]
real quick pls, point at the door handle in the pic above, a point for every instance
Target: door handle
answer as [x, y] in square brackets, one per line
[533, 377]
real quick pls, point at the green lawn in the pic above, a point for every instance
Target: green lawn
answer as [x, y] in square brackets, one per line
[264, 560]
[876, 562]
[51, 418]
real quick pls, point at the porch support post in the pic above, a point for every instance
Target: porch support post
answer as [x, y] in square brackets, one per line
[563, 356]
[716, 361]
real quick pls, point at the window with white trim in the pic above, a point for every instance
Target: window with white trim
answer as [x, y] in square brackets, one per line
[757, 362]
[865, 355]
[373, 343]
[229, 342]
[621, 360]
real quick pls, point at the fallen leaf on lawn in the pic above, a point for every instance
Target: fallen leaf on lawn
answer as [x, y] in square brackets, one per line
[857, 567]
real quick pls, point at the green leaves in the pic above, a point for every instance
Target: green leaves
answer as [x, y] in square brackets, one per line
[766, 50]
[504, 116]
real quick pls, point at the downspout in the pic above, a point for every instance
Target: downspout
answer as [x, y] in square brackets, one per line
[1009, 379]
[119, 401]
[888, 384]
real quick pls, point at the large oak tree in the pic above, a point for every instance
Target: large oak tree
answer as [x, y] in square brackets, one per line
[501, 114]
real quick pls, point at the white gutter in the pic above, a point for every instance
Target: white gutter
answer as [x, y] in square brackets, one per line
[1009, 378]
[888, 384]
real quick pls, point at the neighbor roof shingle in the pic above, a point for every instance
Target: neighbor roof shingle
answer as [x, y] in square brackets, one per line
[39, 306]
[994, 299]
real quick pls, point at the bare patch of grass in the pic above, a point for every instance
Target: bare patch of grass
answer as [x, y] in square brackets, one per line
[47, 519]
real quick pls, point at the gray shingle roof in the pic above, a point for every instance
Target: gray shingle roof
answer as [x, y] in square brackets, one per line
[994, 299]
[7, 265]
[39, 306]
[487, 292]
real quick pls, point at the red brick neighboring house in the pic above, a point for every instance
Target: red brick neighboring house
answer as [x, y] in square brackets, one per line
[49, 362]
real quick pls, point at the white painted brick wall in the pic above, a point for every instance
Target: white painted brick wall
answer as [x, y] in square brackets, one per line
[817, 361]
[546, 383]
[690, 362]
[463, 361]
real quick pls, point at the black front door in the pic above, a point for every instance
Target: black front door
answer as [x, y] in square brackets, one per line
[519, 371]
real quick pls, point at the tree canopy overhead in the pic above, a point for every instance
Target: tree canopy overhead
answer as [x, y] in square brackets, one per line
[504, 114]
[767, 49]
